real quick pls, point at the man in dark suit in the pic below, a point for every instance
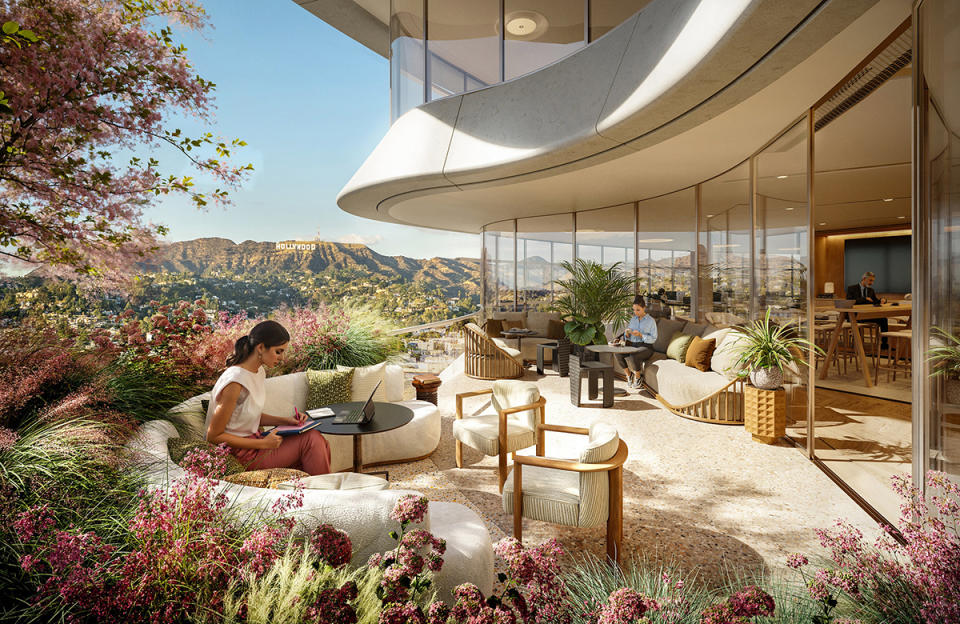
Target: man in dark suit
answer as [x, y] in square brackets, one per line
[862, 292]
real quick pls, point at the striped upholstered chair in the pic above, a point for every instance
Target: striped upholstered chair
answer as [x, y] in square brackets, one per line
[582, 492]
[510, 424]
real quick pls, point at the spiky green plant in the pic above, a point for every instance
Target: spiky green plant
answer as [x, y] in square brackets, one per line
[769, 345]
[592, 296]
[945, 357]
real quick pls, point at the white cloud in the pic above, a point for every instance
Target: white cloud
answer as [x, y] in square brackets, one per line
[360, 239]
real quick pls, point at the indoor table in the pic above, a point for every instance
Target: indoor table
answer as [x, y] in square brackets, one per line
[854, 315]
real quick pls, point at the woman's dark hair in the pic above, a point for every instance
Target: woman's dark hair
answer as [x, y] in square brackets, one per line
[267, 333]
[638, 300]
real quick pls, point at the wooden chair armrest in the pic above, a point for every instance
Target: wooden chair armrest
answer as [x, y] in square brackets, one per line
[574, 466]
[473, 393]
[522, 408]
[564, 429]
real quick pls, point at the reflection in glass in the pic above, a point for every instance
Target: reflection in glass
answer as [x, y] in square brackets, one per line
[666, 247]
[406, 56]
[724, 248]
[606, 236]
[941, 148]
[463, 47]
[605, 15]
[498, 267]
[539, 32]
[542, 244]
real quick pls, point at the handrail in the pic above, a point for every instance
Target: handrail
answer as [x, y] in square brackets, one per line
[435, 324]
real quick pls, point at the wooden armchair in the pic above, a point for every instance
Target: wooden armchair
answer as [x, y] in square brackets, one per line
[517, 411]
[533, 491]
[484, 359]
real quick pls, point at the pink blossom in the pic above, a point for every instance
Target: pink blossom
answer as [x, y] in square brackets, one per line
[752, 601]
[625, 606]
[410, 508]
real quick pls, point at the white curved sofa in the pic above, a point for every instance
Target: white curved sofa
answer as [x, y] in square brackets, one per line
[364, 515]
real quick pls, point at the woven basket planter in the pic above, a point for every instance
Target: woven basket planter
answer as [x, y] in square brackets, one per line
[765, 413]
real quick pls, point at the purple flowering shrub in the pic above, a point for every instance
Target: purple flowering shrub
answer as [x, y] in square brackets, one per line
[914, 581]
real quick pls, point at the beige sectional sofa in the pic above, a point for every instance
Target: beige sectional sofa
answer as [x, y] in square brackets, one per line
[539, 322]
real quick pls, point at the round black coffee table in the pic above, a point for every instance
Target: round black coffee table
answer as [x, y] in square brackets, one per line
[388, 416]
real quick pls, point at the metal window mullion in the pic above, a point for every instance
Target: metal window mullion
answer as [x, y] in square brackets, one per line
[754, 307]
[426, 55]
[811, 303]
[636, 244]
[503, 45]
[696, 261]
[586, 22]
[516, 295]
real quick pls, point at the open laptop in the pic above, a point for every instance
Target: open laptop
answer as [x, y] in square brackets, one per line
[363, 414]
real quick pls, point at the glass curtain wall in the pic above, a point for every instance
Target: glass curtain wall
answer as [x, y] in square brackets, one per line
[463, 46]
[724, 254]
[939, 208]
[666, 248]
[539, 32]
[499, 267]
[543, 243]
[607, 236]
[406, 56]
[605, 15]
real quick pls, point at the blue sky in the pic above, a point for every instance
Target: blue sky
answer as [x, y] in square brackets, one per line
[312, 104]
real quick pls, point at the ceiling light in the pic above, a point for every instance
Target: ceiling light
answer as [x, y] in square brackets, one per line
[901, 217]
[728, 245]
[781, 177]
[789, 249]
[709, 216]
[887, 199]
[789, 208]
[525, 23]
[655, 240]
[822, 223]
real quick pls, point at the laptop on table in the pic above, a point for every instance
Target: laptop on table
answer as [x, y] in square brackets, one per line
[362, 414]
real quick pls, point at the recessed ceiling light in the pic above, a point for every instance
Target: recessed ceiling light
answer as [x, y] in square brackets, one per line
[789, 208]
[709, 216]
[525, 23]
[781, 177]
[655, 240]
[901, 217]
[888, 199]
[822, 223]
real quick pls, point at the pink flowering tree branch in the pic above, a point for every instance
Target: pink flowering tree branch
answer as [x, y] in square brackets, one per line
[87, 109]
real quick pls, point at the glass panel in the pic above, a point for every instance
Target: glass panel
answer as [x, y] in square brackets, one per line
[542, 244]
[724, 248]
[666, 244]
[406, 56]
[782, 254]
[605, 15]
[606, 236]
[540, 32]
[941, 53]
[498, 267]
[463, 45]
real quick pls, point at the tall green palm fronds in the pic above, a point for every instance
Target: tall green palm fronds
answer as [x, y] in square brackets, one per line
[594, 295]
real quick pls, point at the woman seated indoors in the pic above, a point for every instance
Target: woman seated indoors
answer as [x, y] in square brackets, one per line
[640, 333]
[235, 414]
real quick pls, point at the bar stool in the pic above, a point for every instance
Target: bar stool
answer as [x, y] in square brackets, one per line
[898, 347]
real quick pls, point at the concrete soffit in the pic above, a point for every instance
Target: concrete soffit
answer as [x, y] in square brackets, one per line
[355, 21]
[675, 69]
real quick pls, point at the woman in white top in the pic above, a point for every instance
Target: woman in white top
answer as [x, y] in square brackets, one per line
[235, 414]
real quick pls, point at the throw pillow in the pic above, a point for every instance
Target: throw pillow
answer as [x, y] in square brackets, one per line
[555, 330]
[494, 327]
[518, 324]
[677, 348]
[365, 378]
[727, 354]
[326, 387]
[700, 352]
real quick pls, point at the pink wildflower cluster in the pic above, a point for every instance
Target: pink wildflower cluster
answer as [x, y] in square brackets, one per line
[626, 606]
[332, 606]
[924, 571]
[535, 574]
[35, 522]
[8, 438]
[410, 509]
[321, 330]
[331, 545]
[207, 464]
[740, 608]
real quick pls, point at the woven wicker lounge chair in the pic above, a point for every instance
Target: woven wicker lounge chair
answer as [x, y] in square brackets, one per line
[484, 359]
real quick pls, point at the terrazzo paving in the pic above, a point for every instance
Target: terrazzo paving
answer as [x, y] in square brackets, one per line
[701, 496]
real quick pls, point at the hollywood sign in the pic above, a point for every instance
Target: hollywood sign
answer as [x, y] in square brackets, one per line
[296, 246]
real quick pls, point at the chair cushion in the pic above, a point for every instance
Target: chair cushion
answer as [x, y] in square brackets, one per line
[680, 384]
[555, 329]
[483, 433]
[494, 327]
[509, 324]
[603, 444]
[326, 387]
[666, 328]
[337, 481]
[285, 392]
[727, 353]
[717, 334]
[549, 495]
[699, 353]
[393, 379]
[509, 393]
[364, 380]
[677, 348]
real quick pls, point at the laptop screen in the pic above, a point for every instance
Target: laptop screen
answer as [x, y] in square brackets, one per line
[368, 406]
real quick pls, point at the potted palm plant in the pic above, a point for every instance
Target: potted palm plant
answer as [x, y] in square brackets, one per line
[592, 296]
[766, 348]
[946, 360]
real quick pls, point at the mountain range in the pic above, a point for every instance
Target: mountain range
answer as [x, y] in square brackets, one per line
[212, 256]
